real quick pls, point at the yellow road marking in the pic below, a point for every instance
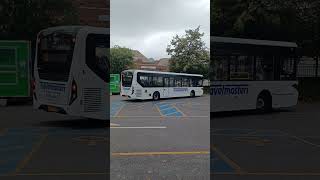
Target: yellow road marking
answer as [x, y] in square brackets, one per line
[227, 160]
[63, 174]
[269, 173]
[217, 173]
[26, 160]
[160, 153]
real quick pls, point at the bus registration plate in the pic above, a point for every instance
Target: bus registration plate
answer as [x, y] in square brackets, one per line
[52, 109]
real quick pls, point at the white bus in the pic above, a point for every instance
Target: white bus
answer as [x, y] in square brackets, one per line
[141, 84]
[252, 74]
[71, 71]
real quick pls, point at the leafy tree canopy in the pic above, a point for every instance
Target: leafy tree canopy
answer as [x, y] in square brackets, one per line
[121, 59]
[23, 19]
[189, 53]
[294, 20]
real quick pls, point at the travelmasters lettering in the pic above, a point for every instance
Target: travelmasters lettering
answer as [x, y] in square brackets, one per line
[225, 90]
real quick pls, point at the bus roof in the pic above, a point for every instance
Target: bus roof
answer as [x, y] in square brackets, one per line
[216, 39]
[73, 29]
[161, 72]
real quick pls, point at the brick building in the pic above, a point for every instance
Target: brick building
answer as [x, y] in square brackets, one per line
[159, 65]
[142, 62]
[93, 12]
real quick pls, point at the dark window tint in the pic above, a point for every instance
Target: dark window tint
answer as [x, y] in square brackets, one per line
[196, 82]
[126, 78]
[178, 82]
[143, 80]
[55, 53]
[185, 82]
[172, 82]
[166, 82]
[97, 55]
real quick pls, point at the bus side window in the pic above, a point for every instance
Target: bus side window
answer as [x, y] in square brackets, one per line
[150, 82]
[178, 82]
[143, 80]
[171, 81]
[97, 49]
[160, 81]
[185, 82]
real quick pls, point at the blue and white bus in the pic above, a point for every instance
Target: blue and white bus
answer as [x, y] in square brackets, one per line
[71, 71]
[252, 74]
[141, 84]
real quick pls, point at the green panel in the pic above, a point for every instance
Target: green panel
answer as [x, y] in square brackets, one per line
[14, 68]
[115, 83]
[8, 78]
[7, 56]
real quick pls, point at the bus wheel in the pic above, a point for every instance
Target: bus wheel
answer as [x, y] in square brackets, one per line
[156, 96]
[263, 103]
[192, 94]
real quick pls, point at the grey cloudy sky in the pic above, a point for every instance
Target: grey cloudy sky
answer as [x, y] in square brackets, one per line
[149, 25]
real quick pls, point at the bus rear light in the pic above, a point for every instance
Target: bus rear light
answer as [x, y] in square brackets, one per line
[74, 92]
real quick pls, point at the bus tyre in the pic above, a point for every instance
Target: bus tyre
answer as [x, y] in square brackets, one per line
[192, 94]
[263, 103]
[156, 96]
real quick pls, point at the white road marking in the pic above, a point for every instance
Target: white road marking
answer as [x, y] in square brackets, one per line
[141, 127]
[113, 124]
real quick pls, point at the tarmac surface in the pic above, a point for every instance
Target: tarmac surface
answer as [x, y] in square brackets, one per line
[167, 139]
[279, 145]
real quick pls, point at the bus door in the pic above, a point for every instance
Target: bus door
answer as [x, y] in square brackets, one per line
[166, 82]
[95, 85]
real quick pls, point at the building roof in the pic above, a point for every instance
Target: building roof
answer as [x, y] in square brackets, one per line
[163, 62]
[161, 72]
[137, 55]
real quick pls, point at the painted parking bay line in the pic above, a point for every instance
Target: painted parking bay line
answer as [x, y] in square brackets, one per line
[116, 107]
[138, 127]
[222, 164]
[114, 125]
[160, 153]
[17, 147]
[169, 110]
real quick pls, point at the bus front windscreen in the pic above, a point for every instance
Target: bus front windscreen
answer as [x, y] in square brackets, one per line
[127, 79]
[55, 53]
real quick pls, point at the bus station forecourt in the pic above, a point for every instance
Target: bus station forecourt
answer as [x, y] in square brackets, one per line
[146, 141]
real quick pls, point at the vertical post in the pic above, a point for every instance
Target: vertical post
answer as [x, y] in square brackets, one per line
[255, 68]
[317, 65]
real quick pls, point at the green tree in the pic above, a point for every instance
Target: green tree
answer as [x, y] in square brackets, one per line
[121, 59]
[189, 53]
[295, 20]
[23, 19]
